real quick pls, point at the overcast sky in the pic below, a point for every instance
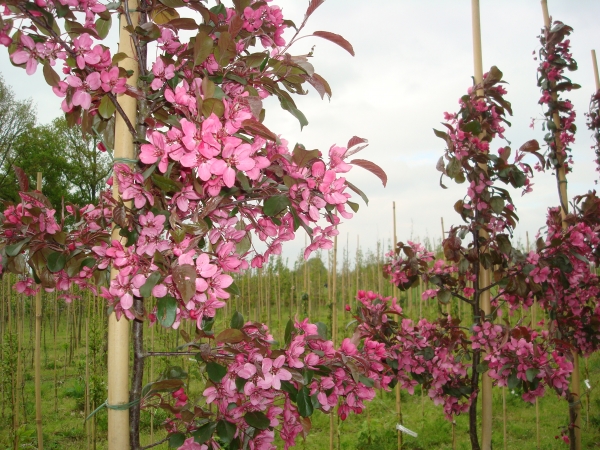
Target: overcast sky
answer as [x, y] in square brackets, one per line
[413, 61]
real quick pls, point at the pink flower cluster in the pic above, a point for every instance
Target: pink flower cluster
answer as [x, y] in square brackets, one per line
[260, 389]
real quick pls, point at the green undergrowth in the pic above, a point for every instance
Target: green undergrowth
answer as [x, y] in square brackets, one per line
[64, 427]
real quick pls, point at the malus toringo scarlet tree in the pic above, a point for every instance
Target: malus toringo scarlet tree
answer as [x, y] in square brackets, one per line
[208, 180]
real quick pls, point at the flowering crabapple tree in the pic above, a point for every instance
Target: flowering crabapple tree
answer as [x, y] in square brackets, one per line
[574, 308]
[208, 182]
[557, 274]
[450, 365]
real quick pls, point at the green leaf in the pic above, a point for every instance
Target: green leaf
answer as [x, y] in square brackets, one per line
[166, 311]
[497, 204]
[444, 296]
[322, 330]
[233, 289]
[173, 3]
[366, 381]
[257, 420]
[240, 383]
[440, 134]
[472, 127]
[353, 206]
[288, 332]
[301, 157]
[56, 262]
[290, 389]
[275, 205]
[204, 433]
[359, 192]
[103, 27]
[88, 262]
[176, 440]
[225, 431]
[215, 371]
[513, 380]
[531, 374]
[255, 59]
[213, 106]
[237, 320]
[289, 106]
[305, 406]
[166, 184]
[151, 281]
[15, 249]
[106, 107]
[428, 353]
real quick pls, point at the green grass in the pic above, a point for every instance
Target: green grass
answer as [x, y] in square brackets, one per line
[373, 430]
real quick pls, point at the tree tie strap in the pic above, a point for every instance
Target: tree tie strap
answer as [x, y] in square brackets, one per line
[120, 407]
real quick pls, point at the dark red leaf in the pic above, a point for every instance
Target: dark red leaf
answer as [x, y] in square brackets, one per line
[184, 277]
[320, 84]
[50, 75]
[371, 167]
[184, 23]
[336, 39]
[355, 145]
[312, 6]
[254, 127]
[530, 146]
[235, 25]
[22, 179]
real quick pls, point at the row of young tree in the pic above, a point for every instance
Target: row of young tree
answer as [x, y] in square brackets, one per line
[198, 176]
[75, 170]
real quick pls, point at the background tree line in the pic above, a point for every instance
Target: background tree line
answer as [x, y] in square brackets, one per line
[73, 167]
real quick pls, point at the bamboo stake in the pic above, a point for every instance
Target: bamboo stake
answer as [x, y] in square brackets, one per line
[449, 305]
[357, 266]
[398, 397]
[484, 277]
[504, 418]
[118, 331]
[575, 388]
[279, 298]
[37, 351]
[55, 356]
[595, 65]
[88, 424]
[2, 355]
[333, 327]
[18, 325]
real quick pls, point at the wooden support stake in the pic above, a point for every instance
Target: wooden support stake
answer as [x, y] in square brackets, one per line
[398, 396]
[596, 77]
[504, 440]
[561, 178]
[38, 354]
[484, 274]
[333, 327]
[118, 330]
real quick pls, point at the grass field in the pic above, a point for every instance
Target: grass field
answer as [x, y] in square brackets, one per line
[65, 369]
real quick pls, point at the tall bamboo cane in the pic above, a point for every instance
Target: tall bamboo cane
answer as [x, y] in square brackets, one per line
[118, 331]
[333, 327]
[484, 274]
[561, 178]
[398, 397]
[38, 356]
